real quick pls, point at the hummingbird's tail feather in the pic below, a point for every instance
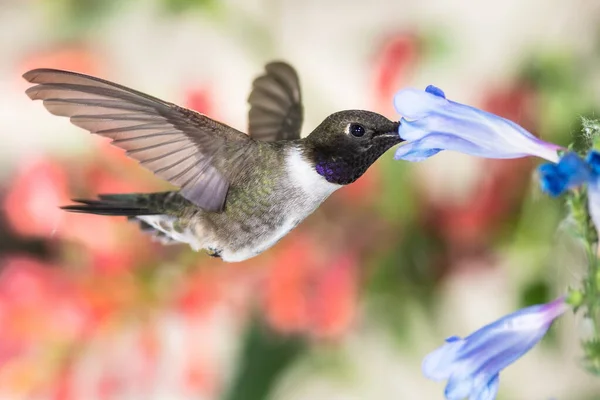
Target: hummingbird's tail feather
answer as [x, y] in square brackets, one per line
[100, 207]
[128, 205]
[164, 215]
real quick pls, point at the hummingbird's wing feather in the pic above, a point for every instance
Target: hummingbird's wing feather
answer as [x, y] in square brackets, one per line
[177, 144]
[276, 104]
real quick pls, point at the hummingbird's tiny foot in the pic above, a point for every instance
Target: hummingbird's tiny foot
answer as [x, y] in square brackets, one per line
[214, 252]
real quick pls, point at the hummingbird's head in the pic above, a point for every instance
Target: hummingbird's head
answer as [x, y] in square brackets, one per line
[346, 143]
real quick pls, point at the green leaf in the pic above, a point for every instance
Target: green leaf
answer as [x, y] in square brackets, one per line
[264, 357]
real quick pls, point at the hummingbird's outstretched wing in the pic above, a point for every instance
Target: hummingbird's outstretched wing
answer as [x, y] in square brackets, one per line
[276, 104]
[177, 144]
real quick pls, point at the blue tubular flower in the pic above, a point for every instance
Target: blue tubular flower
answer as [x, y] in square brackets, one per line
[472, 365]
[431, 123]
[571, 172]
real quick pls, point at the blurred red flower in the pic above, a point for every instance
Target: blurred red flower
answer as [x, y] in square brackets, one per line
[285, 292]
[333, 301]
[200, 292]
[309, 292]
[394, 65]
[200, 99]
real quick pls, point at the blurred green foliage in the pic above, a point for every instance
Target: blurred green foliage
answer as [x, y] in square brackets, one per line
[70, 19]
[263, 359]
[560, 78]
[179, 6]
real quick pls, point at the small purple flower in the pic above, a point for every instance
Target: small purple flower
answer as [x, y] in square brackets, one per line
[431, 123]
[472, 365]
[571, 172]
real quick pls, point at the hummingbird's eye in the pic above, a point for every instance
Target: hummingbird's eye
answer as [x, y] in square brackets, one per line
[356, 130]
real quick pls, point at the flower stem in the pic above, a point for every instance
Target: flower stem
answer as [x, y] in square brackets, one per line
[589, 299]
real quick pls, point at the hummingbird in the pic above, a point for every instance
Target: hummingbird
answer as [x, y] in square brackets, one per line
[238, 194]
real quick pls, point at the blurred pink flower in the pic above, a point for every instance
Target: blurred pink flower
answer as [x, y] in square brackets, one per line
[43, 317]
[32, 203]
[38, 298]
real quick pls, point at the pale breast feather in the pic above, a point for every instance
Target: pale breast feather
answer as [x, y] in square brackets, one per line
[304, 175]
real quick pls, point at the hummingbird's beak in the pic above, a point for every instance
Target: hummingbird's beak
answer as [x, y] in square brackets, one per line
[391, 133]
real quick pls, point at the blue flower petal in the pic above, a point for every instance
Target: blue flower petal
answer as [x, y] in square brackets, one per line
[411, 130]
[472, 370]
[575, 168]
[461, 383]
[571, 171]
[430, 145]
[489, 391]
[435, 91]
[412, 152]
[413, 104]
[551, 180]
[459, 386]
[593, 160]
[439, 364]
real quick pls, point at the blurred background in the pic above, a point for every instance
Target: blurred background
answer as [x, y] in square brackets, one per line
[348, 304]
